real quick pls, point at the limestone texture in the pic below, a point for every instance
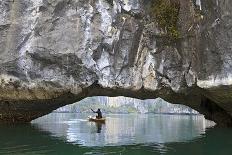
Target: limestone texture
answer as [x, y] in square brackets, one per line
[57, 52]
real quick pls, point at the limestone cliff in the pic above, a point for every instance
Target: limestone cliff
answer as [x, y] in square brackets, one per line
[56, 52]
[125, 105]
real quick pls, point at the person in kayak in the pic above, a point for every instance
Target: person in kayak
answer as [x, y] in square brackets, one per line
[99, 113]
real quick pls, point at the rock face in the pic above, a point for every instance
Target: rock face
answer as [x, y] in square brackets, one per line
[56, 52]
[125, 105]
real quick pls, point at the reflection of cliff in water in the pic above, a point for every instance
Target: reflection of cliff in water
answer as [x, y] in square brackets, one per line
[124, 129]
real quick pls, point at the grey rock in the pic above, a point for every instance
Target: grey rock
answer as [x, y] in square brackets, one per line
[55, 53]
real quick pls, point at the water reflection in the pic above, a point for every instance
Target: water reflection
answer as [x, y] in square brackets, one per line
[99, 127]
[123, 129]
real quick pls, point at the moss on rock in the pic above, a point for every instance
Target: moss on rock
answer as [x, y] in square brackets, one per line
[166, 13]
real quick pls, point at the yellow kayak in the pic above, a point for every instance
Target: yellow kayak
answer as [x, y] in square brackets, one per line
[98, 120]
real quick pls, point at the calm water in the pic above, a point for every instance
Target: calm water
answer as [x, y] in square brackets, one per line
[71, 134]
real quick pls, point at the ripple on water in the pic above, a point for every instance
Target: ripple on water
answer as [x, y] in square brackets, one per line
[121, 134]
[25, 149]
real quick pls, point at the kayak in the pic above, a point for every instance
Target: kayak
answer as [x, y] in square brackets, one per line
[97, 120]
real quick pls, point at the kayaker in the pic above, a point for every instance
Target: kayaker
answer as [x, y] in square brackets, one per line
[99, 113]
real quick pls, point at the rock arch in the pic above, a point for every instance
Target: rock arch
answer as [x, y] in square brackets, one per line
[56, 53]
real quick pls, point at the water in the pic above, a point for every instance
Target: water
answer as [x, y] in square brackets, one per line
[69, 134]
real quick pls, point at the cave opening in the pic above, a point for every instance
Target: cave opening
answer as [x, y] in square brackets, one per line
[128, 120]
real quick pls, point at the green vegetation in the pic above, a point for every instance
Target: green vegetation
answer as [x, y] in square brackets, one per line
[110, 2]
[166, 14]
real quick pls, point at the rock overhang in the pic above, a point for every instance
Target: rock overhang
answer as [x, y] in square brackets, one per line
[58, 52]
